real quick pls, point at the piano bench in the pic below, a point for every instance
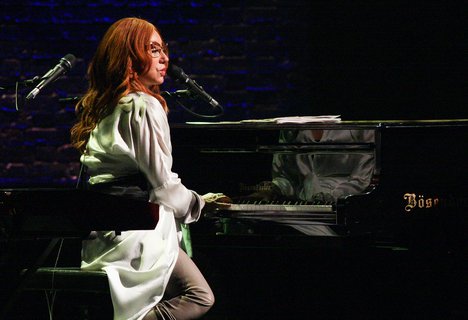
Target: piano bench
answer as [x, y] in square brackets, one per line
[68, 279]
[72, 293]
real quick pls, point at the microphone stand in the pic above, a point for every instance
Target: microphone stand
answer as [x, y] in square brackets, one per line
[26, 83]
[69, 99]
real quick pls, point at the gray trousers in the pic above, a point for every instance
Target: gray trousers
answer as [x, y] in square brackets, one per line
[187, 296]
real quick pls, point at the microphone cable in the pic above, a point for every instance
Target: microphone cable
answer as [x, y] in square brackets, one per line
[178, 95]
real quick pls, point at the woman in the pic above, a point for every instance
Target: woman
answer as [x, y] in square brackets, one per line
[123, 135]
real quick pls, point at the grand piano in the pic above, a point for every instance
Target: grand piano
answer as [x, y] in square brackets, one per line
[355, 219]
[331, 220]
[391, 182]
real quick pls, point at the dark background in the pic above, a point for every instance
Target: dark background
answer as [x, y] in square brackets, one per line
[359, 59]
[259, 59]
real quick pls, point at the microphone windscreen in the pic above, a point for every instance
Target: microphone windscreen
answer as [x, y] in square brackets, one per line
[175, 72]
[69, 60]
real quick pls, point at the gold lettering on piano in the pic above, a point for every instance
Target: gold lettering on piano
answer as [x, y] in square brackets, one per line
[415, 201]
[262, 186]
[419, 201]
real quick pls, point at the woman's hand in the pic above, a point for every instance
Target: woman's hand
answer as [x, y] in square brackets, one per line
[215, 201]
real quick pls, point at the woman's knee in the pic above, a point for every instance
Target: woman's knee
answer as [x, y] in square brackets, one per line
[201, 295]
[209, 298]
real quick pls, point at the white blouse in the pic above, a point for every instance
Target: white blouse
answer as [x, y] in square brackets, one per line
[136, 138]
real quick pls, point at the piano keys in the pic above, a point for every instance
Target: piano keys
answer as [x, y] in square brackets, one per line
[280, 207]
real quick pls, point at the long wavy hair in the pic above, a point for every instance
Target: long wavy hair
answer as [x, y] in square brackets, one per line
[113, 73]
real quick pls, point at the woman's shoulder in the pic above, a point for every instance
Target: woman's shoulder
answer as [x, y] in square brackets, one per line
[139, 106]
[139, 101]
[137, 98]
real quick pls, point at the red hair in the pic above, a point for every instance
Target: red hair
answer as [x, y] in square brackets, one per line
[113, 73]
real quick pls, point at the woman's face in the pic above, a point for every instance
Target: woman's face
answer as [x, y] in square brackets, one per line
[157, 71]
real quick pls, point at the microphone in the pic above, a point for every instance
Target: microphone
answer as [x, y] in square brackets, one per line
[65, 64]
[179, 74]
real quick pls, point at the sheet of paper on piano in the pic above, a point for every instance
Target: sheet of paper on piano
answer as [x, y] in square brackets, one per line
[291, 119]
[301, 119]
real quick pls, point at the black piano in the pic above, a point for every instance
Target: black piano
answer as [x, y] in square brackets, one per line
[386, 180]
[332, 220]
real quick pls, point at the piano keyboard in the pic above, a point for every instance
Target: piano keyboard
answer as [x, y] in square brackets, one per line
[282, 207]
[287, 212]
